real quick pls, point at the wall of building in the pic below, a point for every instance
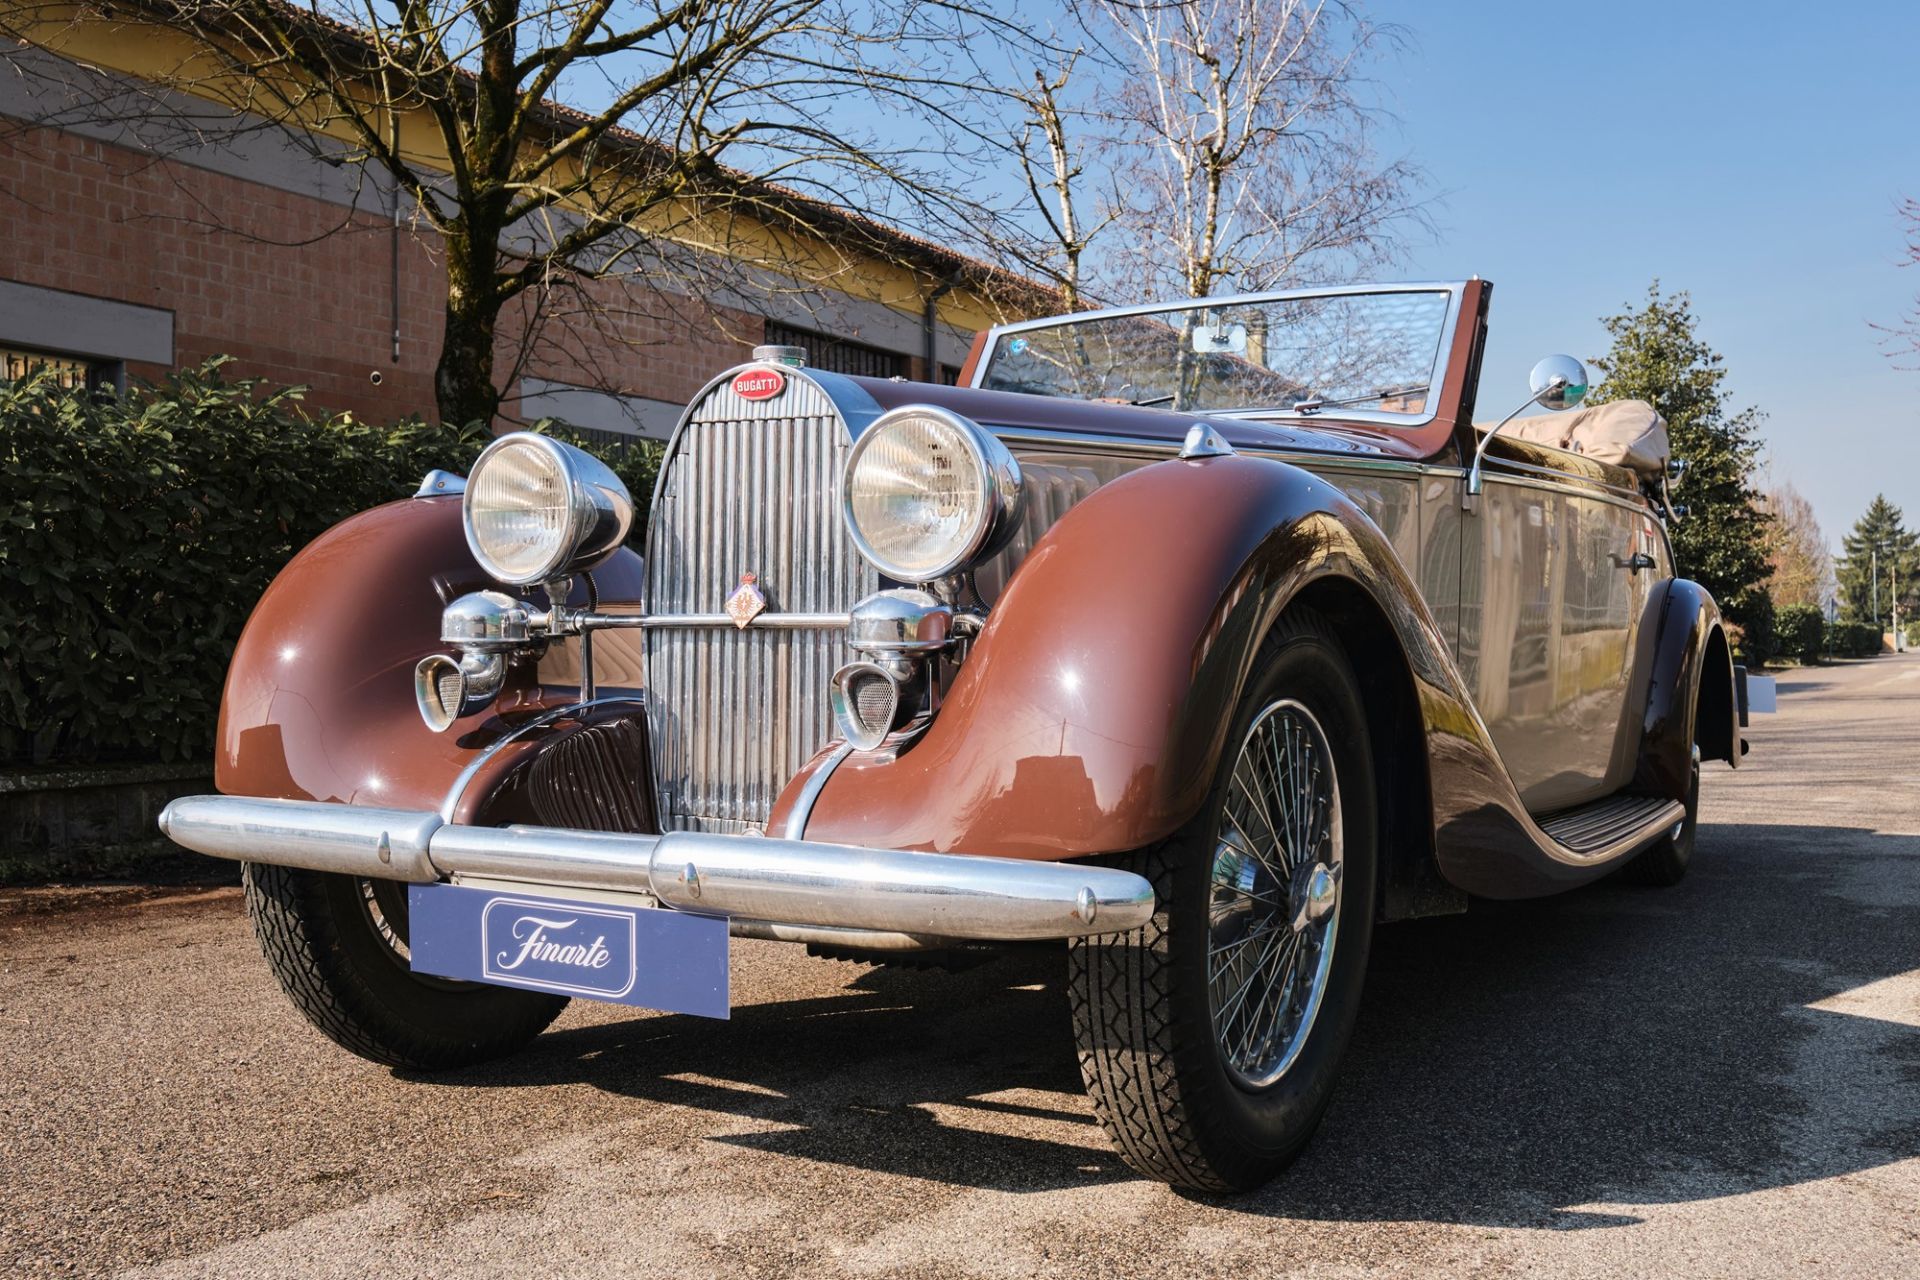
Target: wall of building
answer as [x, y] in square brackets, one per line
[124, 242]
[296, 289]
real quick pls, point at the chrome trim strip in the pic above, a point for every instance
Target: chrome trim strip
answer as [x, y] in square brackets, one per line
[796, 828]
[1131, 446]
[761, 878]
[1548, 477]
[1533, 473]
[764, 621]
[1454, 289]
[1559, 482]
[455, 793]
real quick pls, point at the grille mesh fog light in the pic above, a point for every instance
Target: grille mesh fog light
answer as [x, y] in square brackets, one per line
[866, 704]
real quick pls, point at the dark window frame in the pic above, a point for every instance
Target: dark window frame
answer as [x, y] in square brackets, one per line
[839, 355]
[73, 372]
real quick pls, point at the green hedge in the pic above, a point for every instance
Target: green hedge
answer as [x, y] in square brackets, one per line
[1853, 639]
[140, 532]
[1751, 613]
[1800, 631]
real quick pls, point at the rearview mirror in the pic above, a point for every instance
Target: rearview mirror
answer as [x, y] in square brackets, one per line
[1230, 339]
[1558, 382]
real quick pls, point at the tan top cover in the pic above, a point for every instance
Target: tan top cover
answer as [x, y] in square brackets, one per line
[1627, 433]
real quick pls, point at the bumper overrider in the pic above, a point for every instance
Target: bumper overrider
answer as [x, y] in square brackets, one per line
[759, 880]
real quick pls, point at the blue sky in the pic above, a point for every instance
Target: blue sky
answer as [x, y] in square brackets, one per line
[1751, 154]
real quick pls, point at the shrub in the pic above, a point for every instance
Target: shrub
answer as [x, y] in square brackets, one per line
[1800, 631]
[140, 532]
[1853, 639]
[1752, 613]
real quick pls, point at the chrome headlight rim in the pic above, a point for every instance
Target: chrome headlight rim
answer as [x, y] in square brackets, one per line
[599, 510]
[996, 469]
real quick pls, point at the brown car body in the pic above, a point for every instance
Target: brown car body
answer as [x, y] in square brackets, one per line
[1091, 710]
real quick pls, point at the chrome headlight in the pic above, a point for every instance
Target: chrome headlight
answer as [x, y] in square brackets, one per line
[536, 509]
[926, 493]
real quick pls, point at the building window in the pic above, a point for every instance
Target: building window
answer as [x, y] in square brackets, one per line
[949, 375]
[838, 355]
[72, 373]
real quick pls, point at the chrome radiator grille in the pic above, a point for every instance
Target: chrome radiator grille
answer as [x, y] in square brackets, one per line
[749, 488]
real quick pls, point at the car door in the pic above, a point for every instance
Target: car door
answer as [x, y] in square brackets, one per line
[1554, 581]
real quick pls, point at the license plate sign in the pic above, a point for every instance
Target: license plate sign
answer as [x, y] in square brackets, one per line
[646, 956]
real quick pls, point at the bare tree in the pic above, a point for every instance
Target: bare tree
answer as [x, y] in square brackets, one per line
[1802, 567]
[1252, 164]
[1902, 339]
[708, 126]
[1061, 131]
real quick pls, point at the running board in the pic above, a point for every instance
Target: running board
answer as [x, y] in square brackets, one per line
[1612, 821]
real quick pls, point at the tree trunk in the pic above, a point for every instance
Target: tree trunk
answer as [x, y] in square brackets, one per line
[463, 380]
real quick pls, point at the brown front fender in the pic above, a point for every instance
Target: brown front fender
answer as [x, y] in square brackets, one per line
[319, 700]
[1093, 708]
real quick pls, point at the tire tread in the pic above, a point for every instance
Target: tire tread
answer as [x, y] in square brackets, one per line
[299, 934]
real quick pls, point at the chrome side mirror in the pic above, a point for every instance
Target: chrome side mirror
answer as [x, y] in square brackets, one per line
[1558, 382]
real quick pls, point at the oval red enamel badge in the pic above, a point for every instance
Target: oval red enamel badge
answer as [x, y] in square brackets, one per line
[759, 384]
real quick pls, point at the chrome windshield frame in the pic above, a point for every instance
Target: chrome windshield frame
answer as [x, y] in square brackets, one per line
[1449, 329]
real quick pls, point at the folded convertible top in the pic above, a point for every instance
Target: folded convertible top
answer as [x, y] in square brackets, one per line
[1626, 433]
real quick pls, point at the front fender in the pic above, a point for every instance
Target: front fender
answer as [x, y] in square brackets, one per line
[319, 700]
[1092, 711]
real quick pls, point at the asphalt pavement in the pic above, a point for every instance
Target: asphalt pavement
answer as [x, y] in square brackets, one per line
[1721, 1079]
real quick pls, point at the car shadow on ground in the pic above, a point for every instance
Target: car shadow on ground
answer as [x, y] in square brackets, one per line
[1610, 1047]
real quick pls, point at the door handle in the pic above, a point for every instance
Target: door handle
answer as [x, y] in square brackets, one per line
[1634, 563]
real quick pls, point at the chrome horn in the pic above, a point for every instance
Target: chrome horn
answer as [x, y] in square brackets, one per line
[485, 626]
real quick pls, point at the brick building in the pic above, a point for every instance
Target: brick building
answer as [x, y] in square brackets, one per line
[127, 250]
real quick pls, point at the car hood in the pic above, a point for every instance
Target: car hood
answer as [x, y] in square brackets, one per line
[1011, 412]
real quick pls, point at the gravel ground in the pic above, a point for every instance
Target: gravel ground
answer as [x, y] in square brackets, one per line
[1718, 1079]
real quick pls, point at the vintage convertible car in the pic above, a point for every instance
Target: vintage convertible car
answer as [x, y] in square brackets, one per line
[1200, 638]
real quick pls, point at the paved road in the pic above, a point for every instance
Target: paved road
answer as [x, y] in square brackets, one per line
[1719, 1079]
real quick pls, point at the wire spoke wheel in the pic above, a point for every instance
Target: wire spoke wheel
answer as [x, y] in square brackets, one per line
[1211, 1037]
[1274, 908]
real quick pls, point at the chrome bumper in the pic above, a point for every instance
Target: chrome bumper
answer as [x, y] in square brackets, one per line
[759, 878]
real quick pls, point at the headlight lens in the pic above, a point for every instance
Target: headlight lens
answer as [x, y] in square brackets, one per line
[927, 492]
[536, 509]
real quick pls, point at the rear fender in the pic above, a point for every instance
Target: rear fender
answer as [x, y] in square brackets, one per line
[319, 700]
[1690, 696]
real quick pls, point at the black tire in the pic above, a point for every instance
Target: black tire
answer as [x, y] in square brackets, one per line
[1142, 1011]
[330, 940]
[1664, 863]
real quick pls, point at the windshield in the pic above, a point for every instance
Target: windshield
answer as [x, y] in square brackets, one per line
[1374, 351]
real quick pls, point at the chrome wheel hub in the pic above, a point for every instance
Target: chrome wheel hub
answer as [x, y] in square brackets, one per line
[1274, 909]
